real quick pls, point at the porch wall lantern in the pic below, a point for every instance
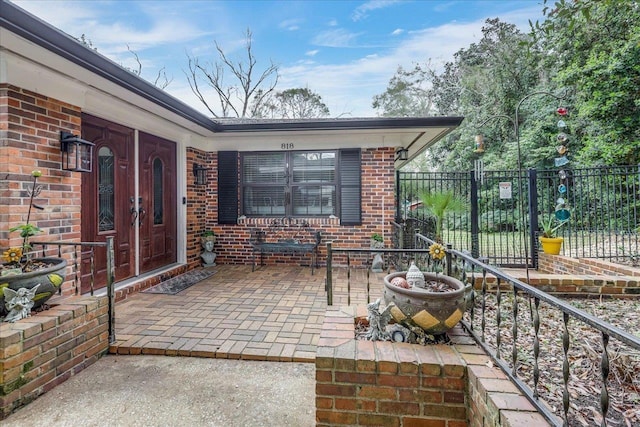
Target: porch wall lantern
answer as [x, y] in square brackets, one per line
[200, 172]
[402, 154]
[77, 153]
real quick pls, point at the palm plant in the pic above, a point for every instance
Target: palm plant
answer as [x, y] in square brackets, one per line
[440, 203]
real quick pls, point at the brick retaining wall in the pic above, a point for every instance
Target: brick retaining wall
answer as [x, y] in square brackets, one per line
[46, 349]
[404, 385]
[586, 276]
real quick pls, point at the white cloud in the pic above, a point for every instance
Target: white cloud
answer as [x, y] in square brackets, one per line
[350, 88]
[312, 52]
[335, 38]
[290, 25]
[362, 11]
[397, 32]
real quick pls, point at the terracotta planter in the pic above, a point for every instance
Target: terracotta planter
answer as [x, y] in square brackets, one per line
[50, 280]
[551, 245]
[434, 312]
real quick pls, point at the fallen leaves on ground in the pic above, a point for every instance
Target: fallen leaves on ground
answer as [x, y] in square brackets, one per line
[584, 355]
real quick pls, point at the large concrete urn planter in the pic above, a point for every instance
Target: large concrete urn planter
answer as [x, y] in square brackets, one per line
[434, 312]
[49, 278]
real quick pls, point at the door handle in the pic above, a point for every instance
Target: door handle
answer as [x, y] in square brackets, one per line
[134, 216]
[141, 212]
[133, 212]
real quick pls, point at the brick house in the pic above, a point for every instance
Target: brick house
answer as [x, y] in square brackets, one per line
[336, 174]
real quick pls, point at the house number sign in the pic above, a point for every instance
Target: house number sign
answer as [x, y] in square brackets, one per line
[286, 146]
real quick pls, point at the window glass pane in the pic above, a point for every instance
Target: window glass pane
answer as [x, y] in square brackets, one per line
[158, 208]
[264, 168]
[314, 167]
[263, 200]
[314, 200]
[106, 195]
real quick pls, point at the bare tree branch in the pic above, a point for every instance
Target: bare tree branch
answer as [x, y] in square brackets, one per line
[234, 98]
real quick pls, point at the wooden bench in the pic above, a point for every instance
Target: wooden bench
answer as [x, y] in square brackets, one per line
[284, 236]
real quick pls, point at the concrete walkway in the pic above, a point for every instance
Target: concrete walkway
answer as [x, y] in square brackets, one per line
[159, 391]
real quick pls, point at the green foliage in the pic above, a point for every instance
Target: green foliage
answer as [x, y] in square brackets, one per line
[587, 50]
[408, 94]
[377, 237]
[550, 225]
[26, 230]
[499, 220]
[599, 55]
[439, 204]
[298, 103]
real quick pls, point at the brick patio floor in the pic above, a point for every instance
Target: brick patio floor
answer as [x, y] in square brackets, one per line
[274, 314]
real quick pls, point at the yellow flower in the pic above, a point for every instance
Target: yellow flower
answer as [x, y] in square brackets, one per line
[12, 255]
[437, 251]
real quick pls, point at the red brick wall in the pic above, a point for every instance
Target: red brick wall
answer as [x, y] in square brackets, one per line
[30, 126]
[43, 351]
[398, 384]
[232, 241]
[559, 264]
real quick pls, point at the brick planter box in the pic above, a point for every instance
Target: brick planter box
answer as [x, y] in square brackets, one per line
[46, 349]
[396, 384]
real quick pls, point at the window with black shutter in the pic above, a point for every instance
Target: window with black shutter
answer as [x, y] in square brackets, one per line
[227, 187]
[299, 183]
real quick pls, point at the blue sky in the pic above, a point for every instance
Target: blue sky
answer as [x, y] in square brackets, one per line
[346, 51]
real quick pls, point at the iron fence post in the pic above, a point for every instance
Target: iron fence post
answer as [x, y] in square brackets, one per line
[533, 215]
[111, 268]
[399, 210]
[475, 229]
[449, 258]
[329, 279]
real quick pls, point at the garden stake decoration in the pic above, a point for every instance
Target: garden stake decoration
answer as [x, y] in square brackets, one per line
[19, 257]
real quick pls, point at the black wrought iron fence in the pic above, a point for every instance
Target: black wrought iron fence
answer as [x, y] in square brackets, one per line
[528, 333]
[501, 224]
[88, 248]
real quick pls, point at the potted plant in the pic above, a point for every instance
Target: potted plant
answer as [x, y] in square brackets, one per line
[550, 242]
[20, 270]
[377, 241]
[431, 301]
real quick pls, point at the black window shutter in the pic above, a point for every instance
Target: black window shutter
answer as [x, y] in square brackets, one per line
[350, 187]
[227, 187]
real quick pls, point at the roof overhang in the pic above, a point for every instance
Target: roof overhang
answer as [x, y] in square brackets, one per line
[414, 134]
[39, 57]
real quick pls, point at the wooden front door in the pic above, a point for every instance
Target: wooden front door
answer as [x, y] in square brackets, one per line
[111, 207]
[157, 202]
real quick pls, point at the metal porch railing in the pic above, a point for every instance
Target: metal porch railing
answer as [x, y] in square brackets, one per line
[76, 270]
[506, 322]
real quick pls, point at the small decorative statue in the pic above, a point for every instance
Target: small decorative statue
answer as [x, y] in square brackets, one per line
[378, 322]
[19, 303]
[208, 256]
[377, 242]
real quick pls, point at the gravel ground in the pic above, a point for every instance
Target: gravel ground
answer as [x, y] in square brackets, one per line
[177, 391]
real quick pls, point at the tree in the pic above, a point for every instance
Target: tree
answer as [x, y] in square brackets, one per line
[241, 98]
[594, 46]
[161, 80]
[408, 94]
[299, 103]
